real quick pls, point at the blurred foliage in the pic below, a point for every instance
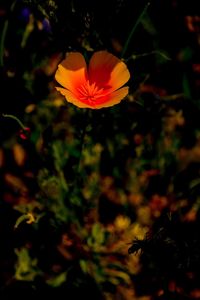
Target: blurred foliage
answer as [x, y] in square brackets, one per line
[79, 186]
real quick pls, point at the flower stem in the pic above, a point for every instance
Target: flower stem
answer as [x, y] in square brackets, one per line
[133, 29]
[82, 139]
[16, 119]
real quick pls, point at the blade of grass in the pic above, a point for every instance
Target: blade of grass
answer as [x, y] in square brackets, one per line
[133, 29]
[2, 42]
[3, 36]
[155, 52]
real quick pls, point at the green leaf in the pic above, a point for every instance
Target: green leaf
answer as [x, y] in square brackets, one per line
[57, 280]
[83, 265]
[98, 234]
[26, 267]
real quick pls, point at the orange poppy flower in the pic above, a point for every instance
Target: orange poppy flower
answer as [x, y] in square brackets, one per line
[98, 86]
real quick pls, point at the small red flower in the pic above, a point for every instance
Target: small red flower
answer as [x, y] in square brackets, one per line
[24, 133]
[96, 86]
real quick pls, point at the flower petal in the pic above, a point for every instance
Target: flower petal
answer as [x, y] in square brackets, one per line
[70, 97]
[107, 71]
[112, 99]
[104, 101]
[72, 72]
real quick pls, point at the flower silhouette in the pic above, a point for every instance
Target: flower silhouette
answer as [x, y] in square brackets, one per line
[96, 86]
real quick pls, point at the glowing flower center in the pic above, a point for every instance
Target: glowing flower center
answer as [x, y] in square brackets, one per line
[89, 91]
